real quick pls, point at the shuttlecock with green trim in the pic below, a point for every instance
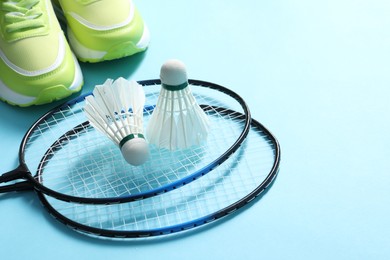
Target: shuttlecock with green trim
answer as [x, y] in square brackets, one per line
[116, 110]
[177, 122]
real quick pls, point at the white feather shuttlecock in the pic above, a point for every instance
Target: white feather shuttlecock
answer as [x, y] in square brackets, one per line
[116, 110]
[177, 122]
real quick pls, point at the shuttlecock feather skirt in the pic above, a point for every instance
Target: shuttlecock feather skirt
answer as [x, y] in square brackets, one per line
[116, 110]
[177, 122]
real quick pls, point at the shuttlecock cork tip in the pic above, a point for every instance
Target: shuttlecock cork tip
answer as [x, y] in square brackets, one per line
[135, 151]
[173, 75]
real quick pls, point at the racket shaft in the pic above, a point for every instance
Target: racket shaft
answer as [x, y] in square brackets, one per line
[20, 186]
[18, 173]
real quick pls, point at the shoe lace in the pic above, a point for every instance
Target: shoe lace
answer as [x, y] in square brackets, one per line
[21, 15]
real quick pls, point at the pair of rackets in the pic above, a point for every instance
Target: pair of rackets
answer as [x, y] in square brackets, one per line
[84, 182]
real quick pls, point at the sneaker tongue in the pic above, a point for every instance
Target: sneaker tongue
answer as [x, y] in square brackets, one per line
[22, 15]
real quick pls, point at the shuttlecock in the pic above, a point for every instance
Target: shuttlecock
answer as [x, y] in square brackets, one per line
[116, 110]
[177, 121]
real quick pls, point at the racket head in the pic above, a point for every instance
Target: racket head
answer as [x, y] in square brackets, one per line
[74, 162]
[234, 184]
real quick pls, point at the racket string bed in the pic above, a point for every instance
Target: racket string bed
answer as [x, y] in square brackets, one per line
[235, 183]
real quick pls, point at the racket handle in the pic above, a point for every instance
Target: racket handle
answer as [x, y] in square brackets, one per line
[19, 186]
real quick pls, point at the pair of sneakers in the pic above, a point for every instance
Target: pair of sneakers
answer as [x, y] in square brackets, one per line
[37, 66]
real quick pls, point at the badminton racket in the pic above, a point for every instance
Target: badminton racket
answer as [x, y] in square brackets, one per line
[231, 186]
[63, 156]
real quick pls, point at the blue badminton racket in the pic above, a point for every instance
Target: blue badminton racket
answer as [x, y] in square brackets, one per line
[244, 176]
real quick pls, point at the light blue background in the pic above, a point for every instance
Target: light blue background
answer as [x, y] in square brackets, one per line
[316, 73]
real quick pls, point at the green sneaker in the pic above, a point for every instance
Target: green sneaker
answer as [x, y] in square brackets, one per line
[101, 30]
[36, 63]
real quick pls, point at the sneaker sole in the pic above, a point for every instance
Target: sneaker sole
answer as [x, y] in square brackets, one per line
[47, 95]
[121, 50]
[86, 54]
